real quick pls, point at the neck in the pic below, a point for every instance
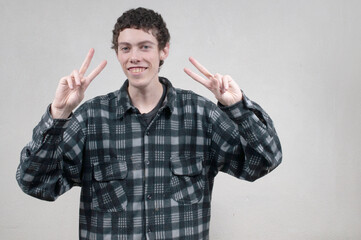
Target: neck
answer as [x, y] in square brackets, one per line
[146, 99]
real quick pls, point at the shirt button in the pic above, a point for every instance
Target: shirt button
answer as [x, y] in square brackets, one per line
[149, 230]
[147, 133]
[149, 197]
[147, 162]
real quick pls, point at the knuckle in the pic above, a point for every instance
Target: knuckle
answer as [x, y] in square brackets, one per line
[218, 75]
[63, 80]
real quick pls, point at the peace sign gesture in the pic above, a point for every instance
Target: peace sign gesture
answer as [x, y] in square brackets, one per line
[224, 88]
[71, 88]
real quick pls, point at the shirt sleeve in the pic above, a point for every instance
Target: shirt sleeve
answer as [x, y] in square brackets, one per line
[51, 163]
[244, 141]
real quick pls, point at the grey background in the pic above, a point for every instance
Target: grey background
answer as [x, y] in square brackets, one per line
[300, 60]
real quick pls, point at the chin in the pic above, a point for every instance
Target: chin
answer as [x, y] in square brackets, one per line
[138, 82]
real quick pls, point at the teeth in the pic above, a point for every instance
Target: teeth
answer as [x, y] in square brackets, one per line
[137, 70]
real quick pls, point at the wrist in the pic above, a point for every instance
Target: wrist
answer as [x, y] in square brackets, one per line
[234, 100]
[59, 113]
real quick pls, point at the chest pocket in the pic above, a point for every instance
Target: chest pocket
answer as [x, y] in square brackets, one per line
[108, 186]
[187, 180]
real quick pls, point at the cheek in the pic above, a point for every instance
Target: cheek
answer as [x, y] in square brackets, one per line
[154, 59]
[121, 59]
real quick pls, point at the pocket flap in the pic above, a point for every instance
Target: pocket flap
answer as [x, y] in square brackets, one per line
[189, 166]
[108, 171]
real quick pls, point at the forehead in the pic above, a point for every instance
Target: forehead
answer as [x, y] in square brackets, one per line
[134, 36]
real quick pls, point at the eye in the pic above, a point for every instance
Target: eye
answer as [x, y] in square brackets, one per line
[123, 49]
[145, 47]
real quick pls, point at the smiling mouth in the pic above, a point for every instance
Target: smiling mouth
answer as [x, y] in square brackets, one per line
[137, 69]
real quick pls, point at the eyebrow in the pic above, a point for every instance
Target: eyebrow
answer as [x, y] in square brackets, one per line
[140, 43]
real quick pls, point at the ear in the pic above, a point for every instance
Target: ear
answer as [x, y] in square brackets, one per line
[164, 52]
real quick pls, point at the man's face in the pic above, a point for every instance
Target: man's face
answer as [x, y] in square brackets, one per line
[139, 55]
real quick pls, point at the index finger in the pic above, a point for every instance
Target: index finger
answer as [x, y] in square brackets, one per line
[200, 67]
[95, 72]
[86, 62]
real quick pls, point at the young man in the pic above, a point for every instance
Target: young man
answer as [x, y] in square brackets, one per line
[147, 154]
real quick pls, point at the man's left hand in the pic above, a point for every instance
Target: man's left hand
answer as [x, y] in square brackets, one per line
[224, 88]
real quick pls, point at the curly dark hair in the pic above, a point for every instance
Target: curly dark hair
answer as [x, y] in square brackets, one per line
[146, 20]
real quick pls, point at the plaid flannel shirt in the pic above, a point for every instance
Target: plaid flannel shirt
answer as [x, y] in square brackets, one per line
[147, 182]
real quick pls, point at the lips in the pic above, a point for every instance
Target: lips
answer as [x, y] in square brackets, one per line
[137, 69]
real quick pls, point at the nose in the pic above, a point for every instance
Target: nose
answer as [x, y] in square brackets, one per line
[134, 58]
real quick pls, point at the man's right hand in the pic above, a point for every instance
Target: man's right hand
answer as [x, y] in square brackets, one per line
[71, 88]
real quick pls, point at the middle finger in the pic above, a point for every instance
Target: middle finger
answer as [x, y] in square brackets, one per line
[86, 62]
[201, 68]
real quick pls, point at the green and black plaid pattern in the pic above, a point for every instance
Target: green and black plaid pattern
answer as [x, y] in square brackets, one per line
[147, 182]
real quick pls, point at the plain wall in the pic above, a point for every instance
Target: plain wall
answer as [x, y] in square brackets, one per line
[300, 60]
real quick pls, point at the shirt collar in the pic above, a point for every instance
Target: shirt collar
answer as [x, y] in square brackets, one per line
[125, 105]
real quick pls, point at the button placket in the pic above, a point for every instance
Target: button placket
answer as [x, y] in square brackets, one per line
[147, 196]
